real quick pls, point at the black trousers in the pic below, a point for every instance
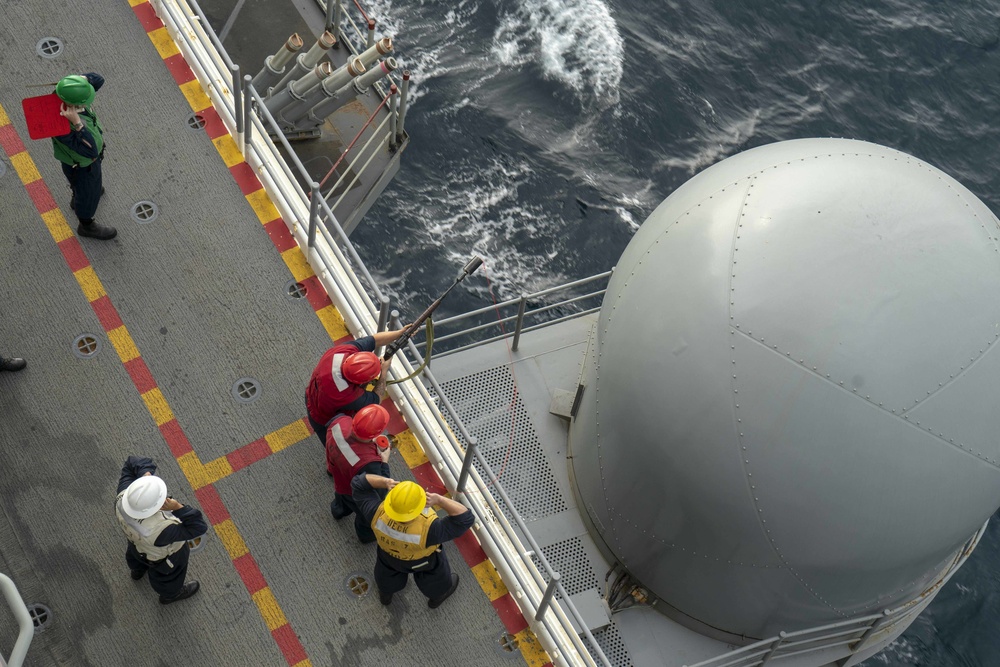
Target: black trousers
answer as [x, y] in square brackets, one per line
[319, 429]
[86, 185]
[343, 506]
[432, 574]
[165, 576]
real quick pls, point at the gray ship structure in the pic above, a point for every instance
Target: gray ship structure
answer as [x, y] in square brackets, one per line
[764, 437]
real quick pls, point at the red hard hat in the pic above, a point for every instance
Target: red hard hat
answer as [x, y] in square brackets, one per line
[361, 367]
[370, 421]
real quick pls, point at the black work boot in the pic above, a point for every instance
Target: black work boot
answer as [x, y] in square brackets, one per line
[385, 599]
[138, 574]
[13, 364]
[436, 602]
[96, 231]
[190, 588]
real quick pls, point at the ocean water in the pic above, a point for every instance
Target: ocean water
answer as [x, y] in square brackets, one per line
[545, 131]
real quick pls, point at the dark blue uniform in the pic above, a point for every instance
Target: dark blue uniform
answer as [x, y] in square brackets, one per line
[165, 576]
[85, 182]
[432, 574]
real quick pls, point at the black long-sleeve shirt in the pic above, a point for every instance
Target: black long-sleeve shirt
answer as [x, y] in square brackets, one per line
[82, 141]
[192, 522]
[367, 499]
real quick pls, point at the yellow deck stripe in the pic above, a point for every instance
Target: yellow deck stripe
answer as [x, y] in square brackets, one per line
[409, 447]
[25, 167]
[163, 42]
[489, 580]
[157, 406]
[531, 650]
[217, 469]
[228, 150]
[124, 345]
[4, 118]
[195, 95]
[56, 222]
[333, 322]
[269, 609]
[90, 284]
[297, 264]
[231, 539]
[262, 206]
[287, 436]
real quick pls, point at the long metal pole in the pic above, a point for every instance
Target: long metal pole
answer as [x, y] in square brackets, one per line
[403, 92]
[24, 622]
[237, 97]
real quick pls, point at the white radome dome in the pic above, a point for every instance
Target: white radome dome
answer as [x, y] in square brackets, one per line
[790, 412]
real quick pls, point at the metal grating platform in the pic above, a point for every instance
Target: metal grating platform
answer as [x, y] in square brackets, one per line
[570, 560]
[507, 440]
[611, 642]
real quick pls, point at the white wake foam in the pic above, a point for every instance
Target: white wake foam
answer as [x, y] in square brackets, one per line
[576, 42]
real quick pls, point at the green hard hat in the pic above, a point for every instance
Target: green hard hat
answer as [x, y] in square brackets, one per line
[75, 89]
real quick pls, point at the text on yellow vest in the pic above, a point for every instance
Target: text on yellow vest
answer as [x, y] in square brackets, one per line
[405, 541]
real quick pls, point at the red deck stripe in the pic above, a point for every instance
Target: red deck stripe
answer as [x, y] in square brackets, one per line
[316, 294]
[176, 440]
[245, 177]
[40, 196]
[428, 478]
[280, 236]
[140, 375]
[73, 254]
[396, 423]
[213, 123]
[211, 504]
[250, 573]
[106, 312]
[510, 614]
[147, 17]
[289, 644]
[179, 69]
[470, 549]
[249, 454]
[9, 140]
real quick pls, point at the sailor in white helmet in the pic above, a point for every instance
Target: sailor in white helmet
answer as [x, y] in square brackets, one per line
[158, 528]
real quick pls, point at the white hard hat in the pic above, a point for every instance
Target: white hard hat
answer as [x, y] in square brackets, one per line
[144, 497]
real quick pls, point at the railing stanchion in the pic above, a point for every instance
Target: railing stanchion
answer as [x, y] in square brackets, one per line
[314, 197]
[371, 34]
[470, 453]
[403, 93]
[520, 321]
[777, 642]
[872, 629]
[550, 590]
[393, 117]
[238, 88]
[247, 109]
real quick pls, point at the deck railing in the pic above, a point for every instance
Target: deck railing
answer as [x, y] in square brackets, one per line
[853, 634]
[26, 628]
[355, 293]
[514, 317]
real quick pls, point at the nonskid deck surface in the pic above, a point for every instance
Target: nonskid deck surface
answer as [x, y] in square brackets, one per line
[182, 307]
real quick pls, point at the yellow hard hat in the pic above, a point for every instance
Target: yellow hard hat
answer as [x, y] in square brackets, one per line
[405, 501]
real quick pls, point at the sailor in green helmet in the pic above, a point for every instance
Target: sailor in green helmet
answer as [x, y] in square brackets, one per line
[82, 150]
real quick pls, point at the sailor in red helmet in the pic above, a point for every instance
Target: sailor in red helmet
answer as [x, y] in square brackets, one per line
[338, 383]
[351, 449]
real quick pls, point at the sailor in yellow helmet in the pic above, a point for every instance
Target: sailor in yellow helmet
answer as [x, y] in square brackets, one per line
[409, 536]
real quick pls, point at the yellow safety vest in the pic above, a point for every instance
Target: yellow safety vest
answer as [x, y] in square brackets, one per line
[405, 541]
[143, 532]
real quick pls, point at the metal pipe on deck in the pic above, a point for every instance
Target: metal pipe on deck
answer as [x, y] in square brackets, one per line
[402, 105]
[306, 61]
[376, 51]
[327, 88]
[274, 66]
[348, 93]
[296, 90]
[393, 112]
[371, 34]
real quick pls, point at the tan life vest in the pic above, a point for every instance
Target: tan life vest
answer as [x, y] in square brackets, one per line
[143, 532]
[405, 541]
